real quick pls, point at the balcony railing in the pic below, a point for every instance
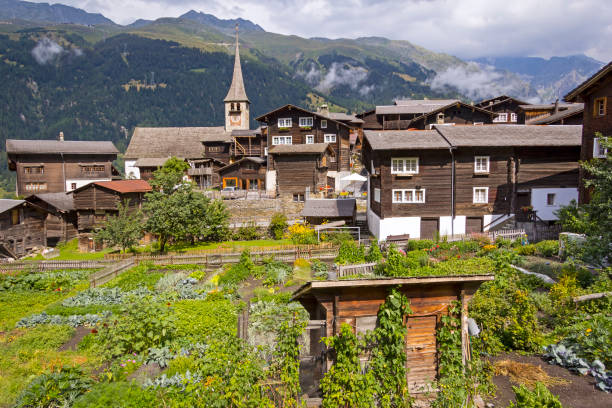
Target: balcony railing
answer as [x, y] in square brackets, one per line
[201, 171]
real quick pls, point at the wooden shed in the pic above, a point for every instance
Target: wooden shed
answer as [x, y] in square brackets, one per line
[61, 220]
[356, 302]
[318, 211]
[248, 173]
[22, 228]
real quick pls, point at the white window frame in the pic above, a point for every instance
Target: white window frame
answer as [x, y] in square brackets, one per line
[598, 151]
[513, 117]
[481, 170]
[285, 123]
[408, 196]
[377, 195]
[600, 107]
[502, 117]
[330, 138]
[309, 139]
[404, 169]
[475, 198]
[304, 121]
[323, 123]
[281, 140]
[554, 199]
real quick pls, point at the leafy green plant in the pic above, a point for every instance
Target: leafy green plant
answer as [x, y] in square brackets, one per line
[529, 249]
[350, 252]
[54, 389]
[278, 225]
[540, 397]
[117, 395]
[276, 272]
[373, 254]
[287, 360]
[547, 248]
[248, 232]
[138, 276]
[123, 230]
[199, 320]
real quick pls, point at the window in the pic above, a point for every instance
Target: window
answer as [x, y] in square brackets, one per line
[265, 151]
[92, 169]
[377, 195]
[550, 199]
[501, 117]
[478, 123]
[330, 138]
[306, 122]
[513, 117]
[214, 149]
[409, 196]
[408, 165]
[599, 151]
[481, 164]
[14, 216]
[35, 187]
[600, 107]
[440, 118]
[285, 123]
[298, 197]
[309, 139]
[323, 124]
[73, 186]
[279, 140]
[481, 195]
[34, 170]
[253, 184]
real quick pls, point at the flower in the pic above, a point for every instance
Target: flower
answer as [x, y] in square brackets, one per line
[93, 331]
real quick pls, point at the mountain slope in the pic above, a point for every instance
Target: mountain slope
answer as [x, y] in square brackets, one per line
[226, 26]
[43, 12]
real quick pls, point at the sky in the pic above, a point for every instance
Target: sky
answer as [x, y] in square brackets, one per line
[464, 28]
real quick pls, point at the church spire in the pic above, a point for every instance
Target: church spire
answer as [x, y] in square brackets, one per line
[236, 92]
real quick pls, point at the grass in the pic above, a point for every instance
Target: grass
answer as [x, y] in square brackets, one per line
[70, 251]
[27, 353]
[544, 266]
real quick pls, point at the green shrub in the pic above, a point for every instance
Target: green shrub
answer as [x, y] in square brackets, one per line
[318, 266]
[414, 245]
[338, 237]
[374, 254]
[138, 276]
[55, 389]
[588, 335]
[118, 395]
[43, 281]
[198, 320]
[278, 225]
[540, 397]
[350, 252]
[547, 248]
[529, 249]
[238, 272]
[199, 274]
[248, 232]
[276, 272]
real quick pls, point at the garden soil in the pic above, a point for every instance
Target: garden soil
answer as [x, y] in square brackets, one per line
[580, 392]
[74, 341]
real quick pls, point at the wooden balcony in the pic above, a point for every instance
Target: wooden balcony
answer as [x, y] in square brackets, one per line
[201, 171]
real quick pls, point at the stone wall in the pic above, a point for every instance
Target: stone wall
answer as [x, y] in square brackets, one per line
[260, 211]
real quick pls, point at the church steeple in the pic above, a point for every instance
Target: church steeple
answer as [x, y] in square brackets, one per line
[236, 101]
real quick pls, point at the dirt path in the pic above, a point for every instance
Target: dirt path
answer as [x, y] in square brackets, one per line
[74, 341]
[579, 393]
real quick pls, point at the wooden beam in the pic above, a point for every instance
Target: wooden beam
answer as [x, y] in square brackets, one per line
[592, 296]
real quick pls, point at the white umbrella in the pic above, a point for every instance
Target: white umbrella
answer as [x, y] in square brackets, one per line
[354, 177]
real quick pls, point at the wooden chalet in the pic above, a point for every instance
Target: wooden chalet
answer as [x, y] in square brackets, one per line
[539, 114]
[248, 173]
[422, 114]
[596, 94]
[22, 228]
[294, 133]
[570, 116]
[318, 211]
[352, 121]
[357, 302]
[456, 180]
[61, 221]
[53, 166]
[299, 168]
[506, 108]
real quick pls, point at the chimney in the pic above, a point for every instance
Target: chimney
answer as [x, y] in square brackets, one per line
[324, 110]
[61, 136]
[556, 106]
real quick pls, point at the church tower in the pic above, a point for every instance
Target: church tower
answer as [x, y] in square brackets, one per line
[236, 101]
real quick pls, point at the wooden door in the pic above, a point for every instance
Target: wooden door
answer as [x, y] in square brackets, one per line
[473, 225]
[421, 354]
[429, 226]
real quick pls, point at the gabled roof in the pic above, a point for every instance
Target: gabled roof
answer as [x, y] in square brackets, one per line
[405, 139]
[500, 99]
[151, 161]
[571, 111]
[313, 148]
[546, 106]
[56, 147]
[61, 201]
[237, 92]
[344, 117]
[289, 106]
[6, 204]
[417, 102]
[257, 160]
[512, 135]
[160, 142]
[573, 95]
[415, 106]
[121, 186]
[441, 108]
[329, 208]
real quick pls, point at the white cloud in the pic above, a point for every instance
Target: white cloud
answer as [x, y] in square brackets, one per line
[46, 50]
[467, 28]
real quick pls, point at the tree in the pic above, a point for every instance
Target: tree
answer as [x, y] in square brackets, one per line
[278, 225]
[122, 230]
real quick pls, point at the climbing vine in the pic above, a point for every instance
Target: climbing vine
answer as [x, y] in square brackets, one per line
[287, 365]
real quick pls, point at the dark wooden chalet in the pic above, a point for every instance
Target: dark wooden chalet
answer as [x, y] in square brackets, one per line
[596, 94]
[61, 221]
[535, 114]
[96, 201]
[53, 166]
[464, 179]
[318, 211]
[352, 121]
[506, 108]
[570, 116]
[248, 173]
[22, 228]
[300, 167]
[357, 302]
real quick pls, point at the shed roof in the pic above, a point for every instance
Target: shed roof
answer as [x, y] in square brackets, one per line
[317, 286]
[590, 82]
[61, 201]
[571, 111]
[174, 141]
[512, 135]
[151, 161]
[329, 208]
[500, 99]
[415, 102]
[405, 139]
[257, 160]
[415, 107]
[313, 148]
[344, 117]
[545, 106]
[246, 132]
[7, 204]
[56, 147]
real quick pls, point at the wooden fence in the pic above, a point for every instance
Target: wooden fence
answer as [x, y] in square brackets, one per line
[492, 235]
[357, 269]
[53, 265]
[106, 274]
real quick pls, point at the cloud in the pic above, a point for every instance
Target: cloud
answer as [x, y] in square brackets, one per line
[466, 28]
[338, 74]
[46, 51]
